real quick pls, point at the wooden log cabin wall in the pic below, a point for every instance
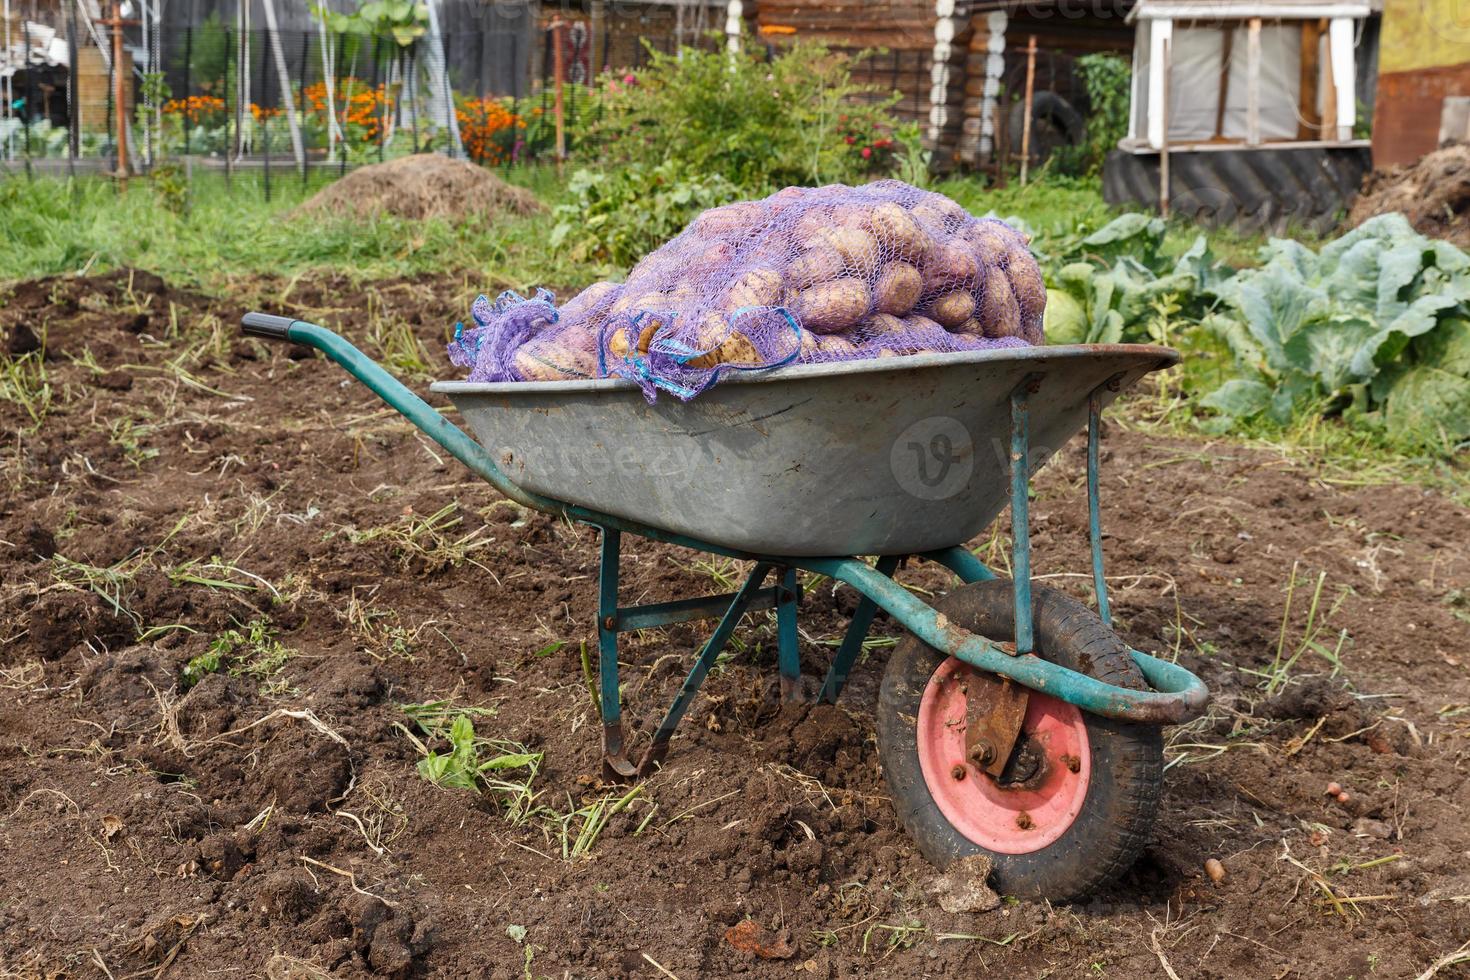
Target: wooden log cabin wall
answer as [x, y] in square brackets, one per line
[924, 46]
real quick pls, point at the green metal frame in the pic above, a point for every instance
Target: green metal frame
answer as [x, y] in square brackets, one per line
[1178, 695]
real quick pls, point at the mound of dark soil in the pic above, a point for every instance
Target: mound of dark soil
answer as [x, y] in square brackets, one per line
[1434, 194]
[425, 185]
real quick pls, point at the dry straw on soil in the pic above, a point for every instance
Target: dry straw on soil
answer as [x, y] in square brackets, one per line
[1433, 193]
[425, 185]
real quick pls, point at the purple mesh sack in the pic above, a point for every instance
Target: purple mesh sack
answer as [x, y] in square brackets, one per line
[807, 275]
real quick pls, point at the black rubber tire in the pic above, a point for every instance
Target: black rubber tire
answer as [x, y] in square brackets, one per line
[1054, 123]
[1127, 760]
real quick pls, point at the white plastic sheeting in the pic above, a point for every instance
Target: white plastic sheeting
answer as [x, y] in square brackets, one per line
[1280, 83]
[1197, 56]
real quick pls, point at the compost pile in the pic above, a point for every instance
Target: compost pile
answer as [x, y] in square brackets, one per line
[1433, 193]
[426, 185]
[806, 275]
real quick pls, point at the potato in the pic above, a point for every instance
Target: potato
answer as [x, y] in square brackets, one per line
[832, 306]
[811, 224]
[897, 289]
[920, 324]
[882, 325]
[637, 301]
[755, 287]
[858, 248]
[617, 341]
[837, 348]
[813, 266]
[552, 361]
[950, 265]
[817, 347]
[971, 327]
[731, 219]
[725, 345]
[992, 240]
[589, 299]
[1026, 283]
[940, 213]
[896, 229]
[952, 309]
[929, 217]
[999, 313]
[651, 268]
[713, 258]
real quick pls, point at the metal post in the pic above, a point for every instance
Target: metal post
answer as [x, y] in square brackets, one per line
[30, 103]
[7, 84]
[1164, 67]
[379, 88]
[242, 79]
[1020, 510]
[558, 58]
[408, 70]
[301, 99]
[1094, 521]
[73, 107]
[1026, 119]
[788, 650]
[347, 103]
[230, 147]
[265, 103]
[120, 80]
[188, 69]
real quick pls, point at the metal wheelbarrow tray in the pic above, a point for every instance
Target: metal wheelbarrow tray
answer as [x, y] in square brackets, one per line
[1012, 720]
[882, 457]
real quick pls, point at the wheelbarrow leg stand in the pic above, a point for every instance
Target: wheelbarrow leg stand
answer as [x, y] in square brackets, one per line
[615, 764]
[612, 620]
[659, 748]
[788, 656]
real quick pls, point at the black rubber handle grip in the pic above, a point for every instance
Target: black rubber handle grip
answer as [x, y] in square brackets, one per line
[266, 325]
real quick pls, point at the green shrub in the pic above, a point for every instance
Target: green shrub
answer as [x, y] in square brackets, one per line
[1107, 78]
[796, 119]
[619, 215]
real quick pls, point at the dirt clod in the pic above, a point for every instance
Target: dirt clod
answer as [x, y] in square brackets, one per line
[748, 937]
[35, 543]
[1312, 698]
[425, 185]
[22, 340]
[287, 895]
[963, 889]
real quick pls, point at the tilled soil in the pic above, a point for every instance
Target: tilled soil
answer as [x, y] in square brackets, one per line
[188, 491]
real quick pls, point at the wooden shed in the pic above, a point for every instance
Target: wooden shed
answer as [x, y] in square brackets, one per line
[1252, 102]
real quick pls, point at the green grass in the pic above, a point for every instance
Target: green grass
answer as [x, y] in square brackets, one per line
[52, 226]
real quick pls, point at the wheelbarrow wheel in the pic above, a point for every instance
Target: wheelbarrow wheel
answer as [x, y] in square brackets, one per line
[1075, 804]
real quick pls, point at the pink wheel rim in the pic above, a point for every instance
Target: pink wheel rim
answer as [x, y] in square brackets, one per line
[1006, 820]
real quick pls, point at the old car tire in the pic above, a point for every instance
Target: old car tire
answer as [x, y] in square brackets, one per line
[1123, 774]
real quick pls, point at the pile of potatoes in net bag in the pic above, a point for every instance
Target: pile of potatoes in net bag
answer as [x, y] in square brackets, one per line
[806, 275]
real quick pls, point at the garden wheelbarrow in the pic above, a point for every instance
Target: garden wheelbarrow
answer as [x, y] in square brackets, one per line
[1011, 720]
